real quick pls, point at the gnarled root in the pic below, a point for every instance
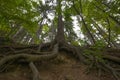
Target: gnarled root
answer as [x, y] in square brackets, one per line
[103, 66]
[36, 75]
[29, 57]
[112, 70]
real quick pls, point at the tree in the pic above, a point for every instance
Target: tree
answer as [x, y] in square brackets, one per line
[96, 23]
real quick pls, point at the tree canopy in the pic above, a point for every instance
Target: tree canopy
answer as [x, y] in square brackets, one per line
[96, 20]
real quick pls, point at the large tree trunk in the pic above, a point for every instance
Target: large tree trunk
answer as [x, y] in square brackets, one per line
[60, 30]
[60, 38]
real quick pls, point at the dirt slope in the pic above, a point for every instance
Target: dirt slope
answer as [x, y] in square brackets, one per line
[62, 68]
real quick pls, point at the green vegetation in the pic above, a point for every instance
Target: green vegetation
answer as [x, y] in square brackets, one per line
[44, 27]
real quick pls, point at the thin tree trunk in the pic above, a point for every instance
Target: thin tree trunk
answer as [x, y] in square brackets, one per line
[103, 33]
[89, 34]
[109, 33]
[111, 17]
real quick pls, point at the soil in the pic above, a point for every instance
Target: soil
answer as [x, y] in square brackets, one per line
[62, 68]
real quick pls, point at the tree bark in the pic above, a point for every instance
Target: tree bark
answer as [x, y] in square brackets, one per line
[60, 38]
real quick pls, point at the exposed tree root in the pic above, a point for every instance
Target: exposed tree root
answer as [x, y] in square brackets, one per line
[29, 57]
[36, 75]
[112, 58]
[112, 70]
[35, 72]
[30, 54]
[102, 66]
[19, 46]
[76, 51]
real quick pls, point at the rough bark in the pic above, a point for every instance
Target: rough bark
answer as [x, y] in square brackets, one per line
[60, 38]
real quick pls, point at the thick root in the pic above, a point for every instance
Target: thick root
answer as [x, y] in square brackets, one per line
[29, 57]
[112, 58]
[36, 75]
[77, 52]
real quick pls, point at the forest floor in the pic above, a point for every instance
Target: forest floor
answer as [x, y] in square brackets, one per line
[64, 67]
